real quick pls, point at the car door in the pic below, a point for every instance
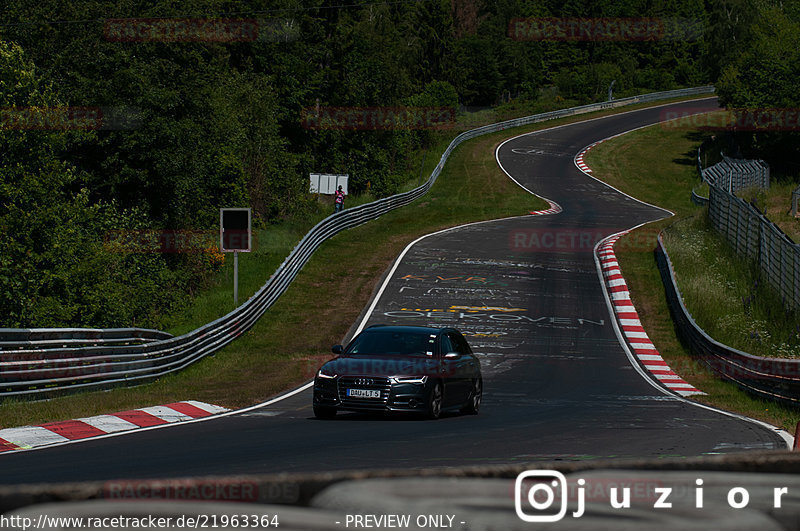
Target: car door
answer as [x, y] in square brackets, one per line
[471, 363]
[448, 367]
[457, 364]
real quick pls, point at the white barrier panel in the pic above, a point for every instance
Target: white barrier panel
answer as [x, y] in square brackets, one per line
[327, 183]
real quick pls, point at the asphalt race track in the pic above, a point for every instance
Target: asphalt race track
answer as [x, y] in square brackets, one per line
[558, 384]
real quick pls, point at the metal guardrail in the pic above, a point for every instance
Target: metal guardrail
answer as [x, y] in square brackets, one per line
[47, 371]
[774, 378]
[28, 338]
[698, 199]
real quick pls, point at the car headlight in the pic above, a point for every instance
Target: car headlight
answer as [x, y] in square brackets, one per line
[410, 379]
[321, 374]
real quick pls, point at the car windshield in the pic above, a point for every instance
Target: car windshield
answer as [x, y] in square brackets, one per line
[392, 343]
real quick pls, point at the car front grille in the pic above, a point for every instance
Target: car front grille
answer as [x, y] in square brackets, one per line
[371, 383]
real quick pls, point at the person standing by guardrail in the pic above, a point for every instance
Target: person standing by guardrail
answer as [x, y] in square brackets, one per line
[338, 202]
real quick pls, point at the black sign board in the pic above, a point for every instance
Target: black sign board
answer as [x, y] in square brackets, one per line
[234, 229]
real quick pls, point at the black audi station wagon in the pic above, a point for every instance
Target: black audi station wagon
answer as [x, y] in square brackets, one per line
[400, 368]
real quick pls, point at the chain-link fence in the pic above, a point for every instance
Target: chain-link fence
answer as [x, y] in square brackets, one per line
[749, 231]
[737, 174]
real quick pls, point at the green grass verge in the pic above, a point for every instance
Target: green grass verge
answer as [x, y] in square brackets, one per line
[657, 165]
[274, 243]
[777, 201]
[293, 338]
[725, 294]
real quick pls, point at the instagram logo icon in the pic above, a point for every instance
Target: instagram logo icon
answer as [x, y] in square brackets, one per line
[535, 494]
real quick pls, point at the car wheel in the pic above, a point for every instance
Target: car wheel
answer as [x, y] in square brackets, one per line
[475, 396]
[322, 412]
[435, 401]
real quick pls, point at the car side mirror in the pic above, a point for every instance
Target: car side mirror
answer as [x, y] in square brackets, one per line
[451, 355]
[337, 349]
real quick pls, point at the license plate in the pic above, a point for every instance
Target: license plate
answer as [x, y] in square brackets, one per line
[363, 393]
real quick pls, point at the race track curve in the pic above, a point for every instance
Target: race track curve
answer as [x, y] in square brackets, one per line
[558, 384]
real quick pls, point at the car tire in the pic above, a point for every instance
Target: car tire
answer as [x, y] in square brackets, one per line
[323, 412]
[435, 400]
[473, 404]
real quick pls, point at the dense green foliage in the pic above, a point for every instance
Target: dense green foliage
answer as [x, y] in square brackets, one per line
[222, 124]
[759, 59]
[54, 265]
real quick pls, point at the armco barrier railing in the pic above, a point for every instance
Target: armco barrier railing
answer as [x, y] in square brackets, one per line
[45, 371]
[698, 199]
[28, 338]
[773, 378]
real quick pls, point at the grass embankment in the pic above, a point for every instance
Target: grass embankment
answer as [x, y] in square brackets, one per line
[292, 339]
[778, 202]
[657, 165]
[271, 246]
[726, 294]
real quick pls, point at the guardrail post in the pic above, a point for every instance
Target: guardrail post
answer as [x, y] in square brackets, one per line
[235, 278]
[796, 437]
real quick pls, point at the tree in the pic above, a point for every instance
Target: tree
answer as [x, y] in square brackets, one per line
[763, 78]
